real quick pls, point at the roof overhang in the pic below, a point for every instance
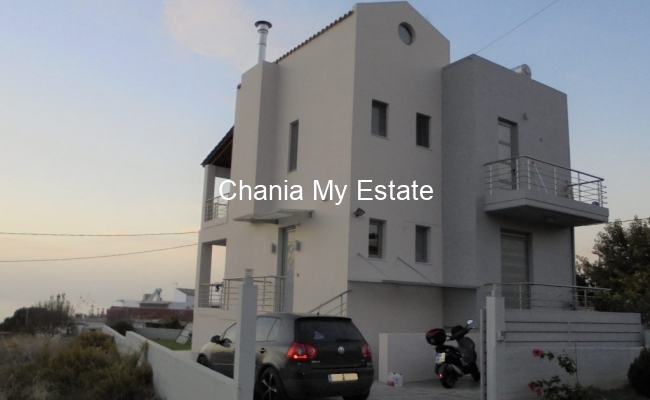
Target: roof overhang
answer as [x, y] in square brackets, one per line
[274, 217]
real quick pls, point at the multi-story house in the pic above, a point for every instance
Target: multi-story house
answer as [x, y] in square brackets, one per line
[372, 100]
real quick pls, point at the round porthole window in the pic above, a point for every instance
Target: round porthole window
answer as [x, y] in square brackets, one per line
[405, 33]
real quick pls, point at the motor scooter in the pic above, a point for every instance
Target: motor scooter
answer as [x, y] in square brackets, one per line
[454, 362]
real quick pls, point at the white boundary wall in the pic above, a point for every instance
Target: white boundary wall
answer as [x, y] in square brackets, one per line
[177, 375]
[602, 344]
[158, 333]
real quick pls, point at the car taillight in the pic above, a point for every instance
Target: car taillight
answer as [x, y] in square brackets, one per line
[300, 351]
[365, 351]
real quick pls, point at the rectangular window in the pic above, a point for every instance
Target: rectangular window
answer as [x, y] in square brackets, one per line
[422, 244]
[376, 239]
[379, 118]
[422, 130]
[293, 147]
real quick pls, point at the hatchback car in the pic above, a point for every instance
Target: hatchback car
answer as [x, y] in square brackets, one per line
[300, 357]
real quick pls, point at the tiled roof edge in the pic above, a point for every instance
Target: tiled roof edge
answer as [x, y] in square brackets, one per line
[285, 55]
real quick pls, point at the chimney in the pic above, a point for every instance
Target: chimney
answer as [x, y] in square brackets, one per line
[263, 29]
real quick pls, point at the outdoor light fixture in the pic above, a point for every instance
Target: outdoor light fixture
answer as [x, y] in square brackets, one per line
[273, 248]
[359, 212]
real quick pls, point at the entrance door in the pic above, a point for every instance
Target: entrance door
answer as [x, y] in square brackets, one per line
[507, 153]
[286, 268]
[515, 269]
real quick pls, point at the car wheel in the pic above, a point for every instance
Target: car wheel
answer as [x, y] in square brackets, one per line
[203, 361]
[363, 396]
[270, 386]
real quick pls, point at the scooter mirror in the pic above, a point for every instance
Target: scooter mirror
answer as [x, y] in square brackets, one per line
[470, 321]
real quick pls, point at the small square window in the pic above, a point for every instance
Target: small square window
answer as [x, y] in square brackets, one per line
[422, 123]
[379, 118]
[422, 244]
[376, 239]
[293, 147]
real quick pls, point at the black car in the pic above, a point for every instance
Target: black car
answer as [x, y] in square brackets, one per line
[300, 356]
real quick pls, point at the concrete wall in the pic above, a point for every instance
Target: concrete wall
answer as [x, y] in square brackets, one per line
[407, 78]
[406, 353]
[176, 376]
[605, 368]
[476, 93]
[312, 85]
[158, 333]
[378, 308]
[603, 345]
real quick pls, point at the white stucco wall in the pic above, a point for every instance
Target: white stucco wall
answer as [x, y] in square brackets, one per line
[408, 79]
[476, 93]
[175, 374]
[378, 308]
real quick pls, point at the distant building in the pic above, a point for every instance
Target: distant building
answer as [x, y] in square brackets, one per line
[152, 308]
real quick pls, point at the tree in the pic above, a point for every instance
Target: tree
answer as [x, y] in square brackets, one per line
[49, 317]
[623, 265]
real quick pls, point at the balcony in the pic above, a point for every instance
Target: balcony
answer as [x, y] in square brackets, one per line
[536, 191]
[216, 207]
[270, 294]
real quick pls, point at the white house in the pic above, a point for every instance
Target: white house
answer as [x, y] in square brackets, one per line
[481, 153]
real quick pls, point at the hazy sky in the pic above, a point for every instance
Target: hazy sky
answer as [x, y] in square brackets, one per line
[108, 108]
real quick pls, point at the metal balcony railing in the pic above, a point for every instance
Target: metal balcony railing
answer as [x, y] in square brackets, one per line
[337, 305]
[270, 293]
[210, 295]
[527, 173]
[526, 296]
[216, 207]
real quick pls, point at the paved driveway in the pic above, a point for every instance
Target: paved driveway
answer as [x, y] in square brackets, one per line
[465, 388]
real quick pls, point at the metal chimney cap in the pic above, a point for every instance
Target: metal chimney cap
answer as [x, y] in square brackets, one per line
[523, 69]
[258, 23]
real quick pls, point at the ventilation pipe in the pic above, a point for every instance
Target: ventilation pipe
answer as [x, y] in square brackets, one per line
[523, 69]
[263, 29]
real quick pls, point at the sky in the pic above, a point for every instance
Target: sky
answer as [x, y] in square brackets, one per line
[108, 108]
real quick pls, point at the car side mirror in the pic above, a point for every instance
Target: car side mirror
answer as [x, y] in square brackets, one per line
[216, 339]
[470, 321]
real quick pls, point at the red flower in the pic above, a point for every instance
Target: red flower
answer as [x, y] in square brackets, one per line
[538, 391]
[537, 353]
[530, 386]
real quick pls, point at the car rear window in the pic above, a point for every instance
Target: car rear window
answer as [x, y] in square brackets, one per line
[326, 330]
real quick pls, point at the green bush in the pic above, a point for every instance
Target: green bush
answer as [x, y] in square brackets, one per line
[639, 373]
[122, 327]
[87, 367]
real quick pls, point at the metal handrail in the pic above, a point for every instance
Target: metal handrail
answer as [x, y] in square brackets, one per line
[270, 295]
[545, 162]
[524, 295]
[340, 307]
[215, 208]
[528, 173]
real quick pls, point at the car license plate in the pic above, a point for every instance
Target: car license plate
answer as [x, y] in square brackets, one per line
[440, 358]
[342, 377]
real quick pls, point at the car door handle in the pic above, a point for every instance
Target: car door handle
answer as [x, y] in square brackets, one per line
[262, 350]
